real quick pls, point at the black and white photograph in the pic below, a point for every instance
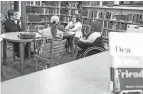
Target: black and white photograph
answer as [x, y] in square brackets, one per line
[71, 47]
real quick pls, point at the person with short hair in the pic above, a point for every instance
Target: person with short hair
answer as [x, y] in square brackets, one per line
[75, 27]
[90, 37]
[52, 31]
[12, 25]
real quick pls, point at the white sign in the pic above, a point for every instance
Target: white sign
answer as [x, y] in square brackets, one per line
[126, 44]
[134, 28]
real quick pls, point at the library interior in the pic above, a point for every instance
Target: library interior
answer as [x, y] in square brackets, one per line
[41, 35]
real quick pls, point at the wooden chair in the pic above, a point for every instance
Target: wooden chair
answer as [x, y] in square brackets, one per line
[49, 53]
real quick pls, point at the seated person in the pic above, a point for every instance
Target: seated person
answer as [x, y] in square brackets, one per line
[52, 31]
[90, 38]
[12, 25]
[74, 27]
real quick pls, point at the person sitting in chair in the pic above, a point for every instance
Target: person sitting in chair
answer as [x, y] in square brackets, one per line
[90, 37]
[12, 25]
[52, 31]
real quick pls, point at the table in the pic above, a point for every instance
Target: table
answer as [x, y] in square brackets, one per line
[88, 75]
[13, 37]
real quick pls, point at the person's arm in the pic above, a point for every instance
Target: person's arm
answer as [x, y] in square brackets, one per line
[77, 27]
[91, 38]
[67, 28]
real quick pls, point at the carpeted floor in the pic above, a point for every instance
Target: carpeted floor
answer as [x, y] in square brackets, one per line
[12, 69]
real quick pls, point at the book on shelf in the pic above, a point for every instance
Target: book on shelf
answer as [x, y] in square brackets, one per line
[100, 15]
[105, 24]
[34, 18]
[108, 15]
[90, 15]
[38, 3]
[117, 26]
[85, 21]
[86, 3]
[90, 21]
[85, 29]
[94, 3]
[95, 14]
[85, 13]
[105, 33]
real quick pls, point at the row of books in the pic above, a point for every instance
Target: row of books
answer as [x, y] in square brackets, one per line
[85, 21]
[43, 3]
[36, 26]
[42, 10]
[136, 18]
[71, 4]
[115, 25]
[69, 12]
[65, 18]
[38, 18]
[132, 18]
[91, 3]
[93, 14]
[105, 33]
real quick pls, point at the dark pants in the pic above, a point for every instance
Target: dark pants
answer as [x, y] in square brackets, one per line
[83, 45]
[69, 42]
[17, 49]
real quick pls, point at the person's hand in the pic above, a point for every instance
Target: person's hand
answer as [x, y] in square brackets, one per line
[72, 26]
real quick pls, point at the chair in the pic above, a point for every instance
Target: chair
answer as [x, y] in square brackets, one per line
[49, 53]
[93, 48]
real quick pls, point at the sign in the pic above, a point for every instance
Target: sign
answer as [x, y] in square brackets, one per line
[126, 70]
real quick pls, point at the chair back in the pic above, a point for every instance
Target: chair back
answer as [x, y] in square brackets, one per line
[58, 47]
[52, 49]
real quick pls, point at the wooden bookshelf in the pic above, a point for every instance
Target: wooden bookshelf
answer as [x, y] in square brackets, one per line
[39, 12]
[114, 19]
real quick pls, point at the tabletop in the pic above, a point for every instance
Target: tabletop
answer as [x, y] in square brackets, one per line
[13, 36]
[89, 75]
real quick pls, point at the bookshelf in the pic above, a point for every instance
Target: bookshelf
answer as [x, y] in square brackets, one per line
[113, 19]
[38, 13]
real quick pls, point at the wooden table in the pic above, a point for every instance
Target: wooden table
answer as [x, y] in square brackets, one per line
[89, 75]
[13, 37]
